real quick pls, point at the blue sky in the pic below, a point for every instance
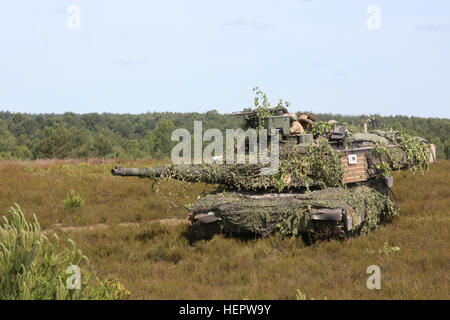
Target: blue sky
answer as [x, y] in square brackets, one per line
[143, 56]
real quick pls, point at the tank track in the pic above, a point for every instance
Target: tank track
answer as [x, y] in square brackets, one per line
[326, 230]
[323, 230]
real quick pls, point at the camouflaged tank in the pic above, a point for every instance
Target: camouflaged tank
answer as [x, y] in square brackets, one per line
[331, 183]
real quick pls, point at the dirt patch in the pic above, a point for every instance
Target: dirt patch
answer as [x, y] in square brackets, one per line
[100, 226]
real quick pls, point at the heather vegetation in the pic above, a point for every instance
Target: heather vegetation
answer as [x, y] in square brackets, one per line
[139, 236]
[70, 135]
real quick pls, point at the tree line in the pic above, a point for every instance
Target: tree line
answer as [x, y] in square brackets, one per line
[70, 135]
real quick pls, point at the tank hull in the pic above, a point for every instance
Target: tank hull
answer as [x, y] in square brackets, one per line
[329, 213]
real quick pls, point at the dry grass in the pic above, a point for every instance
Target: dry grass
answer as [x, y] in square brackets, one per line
[40, 187]
[156, 261]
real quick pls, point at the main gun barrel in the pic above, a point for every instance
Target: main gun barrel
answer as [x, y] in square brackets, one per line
[152, 173]
[239, 176]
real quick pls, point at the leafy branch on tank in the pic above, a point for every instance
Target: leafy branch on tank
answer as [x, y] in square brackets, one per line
[262, 106]
[321, 128]
[412, 150]
[320, 165]
[417, 152]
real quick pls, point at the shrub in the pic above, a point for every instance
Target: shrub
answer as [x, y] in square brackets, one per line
[387, 249]
[119, 291]
[73, 201]
[31, 267]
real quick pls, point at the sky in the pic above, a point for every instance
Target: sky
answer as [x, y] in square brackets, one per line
[348, 57]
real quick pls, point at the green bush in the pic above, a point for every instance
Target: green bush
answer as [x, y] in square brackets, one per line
[73, 201]
[31, 267]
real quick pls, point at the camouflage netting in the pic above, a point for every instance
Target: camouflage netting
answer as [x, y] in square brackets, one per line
[299, 166]
[238, 176]
[263, 213]
[402, 151]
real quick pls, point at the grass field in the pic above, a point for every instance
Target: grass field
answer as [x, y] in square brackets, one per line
[130, 231]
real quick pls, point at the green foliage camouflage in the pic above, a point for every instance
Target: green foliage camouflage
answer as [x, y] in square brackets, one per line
[262, 105]
[321, 128]
[300, 167]
[411, 152]
[319, 165]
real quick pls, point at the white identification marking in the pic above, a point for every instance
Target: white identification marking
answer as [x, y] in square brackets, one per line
[352, 158]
